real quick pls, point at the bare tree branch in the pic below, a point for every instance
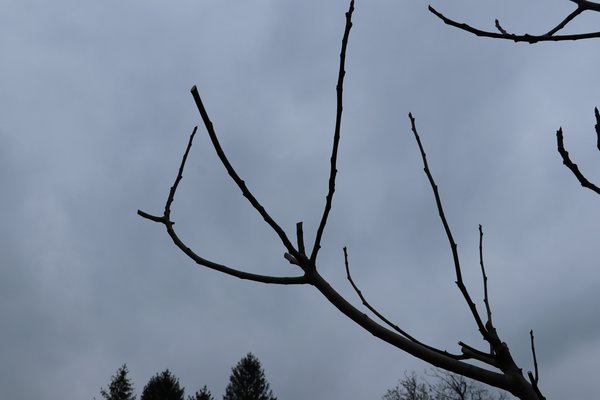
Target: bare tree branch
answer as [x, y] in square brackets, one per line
[386, 320]
[547, 37]
[234, 175]
[336, 136]
[453, 246]
[500, 352]
[165, 219]
[534, 379]
[486, 300]
[510, 378]
[570, 164]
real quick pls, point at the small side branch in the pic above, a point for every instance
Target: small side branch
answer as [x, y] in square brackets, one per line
[534, 377]
[386, 320]
[493, 340]
[485, 279]
[236, 178]
[336, 135]
[570, 164]
[547, 37]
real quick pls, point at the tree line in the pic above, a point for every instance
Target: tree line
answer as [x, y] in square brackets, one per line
[248, 382]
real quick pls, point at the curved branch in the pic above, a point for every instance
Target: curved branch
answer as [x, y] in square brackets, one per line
[165, 219]
[336, 135]
[514, 384]
[236, 178]
[570, 164]
[386, 320]
[278, 280]
[503, 34]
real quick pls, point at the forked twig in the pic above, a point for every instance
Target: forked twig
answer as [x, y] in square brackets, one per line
[165, 219]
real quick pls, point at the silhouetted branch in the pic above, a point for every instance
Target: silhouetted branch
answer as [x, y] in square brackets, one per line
[233, 174]
[535, 364]
[453, 246]
[534, 378]
[387, 321]
[510, 379]
[165, 219]
[547, 37]
[336, 136]
[485, 279]
[570, 164]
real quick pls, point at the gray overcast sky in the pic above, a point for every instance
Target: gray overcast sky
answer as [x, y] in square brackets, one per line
[95, 114]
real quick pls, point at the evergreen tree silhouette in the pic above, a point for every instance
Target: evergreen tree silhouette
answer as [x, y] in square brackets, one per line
[248, 381]
[163, 386]
[120, 387]
[202, 394]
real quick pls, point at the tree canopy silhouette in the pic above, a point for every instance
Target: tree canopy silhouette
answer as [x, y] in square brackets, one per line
[202, 394]
[248, 381]
[120, 387]
[163, 386]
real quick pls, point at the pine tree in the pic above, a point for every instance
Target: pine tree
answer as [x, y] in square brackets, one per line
[248, 381]
[202, 394]
[120, 387]
[163, 386]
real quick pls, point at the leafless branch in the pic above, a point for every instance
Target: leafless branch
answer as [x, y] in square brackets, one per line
[510, 379]
[535, 364]
[534, 379]
[165, 219]
[236, 178]
[570, 164]
[386, 320]
[459, 281]
[485, 279]
[547, 37]
[336, 136]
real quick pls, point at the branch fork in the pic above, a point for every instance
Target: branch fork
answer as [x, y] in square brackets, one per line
[509, 378]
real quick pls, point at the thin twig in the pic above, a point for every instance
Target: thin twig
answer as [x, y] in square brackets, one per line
[534, 379]
[510, 36]
[485, 279]
[236, 178]
[535, 364]
[173, 189]
[565, 21]
[459, 281]
[570, 164]
[336, 135]
[386, 320]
